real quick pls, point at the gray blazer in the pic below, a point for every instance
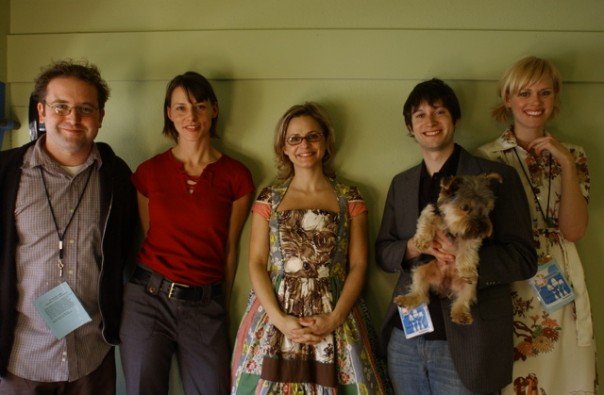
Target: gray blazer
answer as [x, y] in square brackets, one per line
[483, 351]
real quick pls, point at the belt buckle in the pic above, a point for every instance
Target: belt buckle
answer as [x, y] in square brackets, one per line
[171, 289]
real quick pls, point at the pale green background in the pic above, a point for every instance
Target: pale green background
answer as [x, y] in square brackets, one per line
[358, 58]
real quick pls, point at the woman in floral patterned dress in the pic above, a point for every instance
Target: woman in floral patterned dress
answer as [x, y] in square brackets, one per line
[554, 351]
[305, 331]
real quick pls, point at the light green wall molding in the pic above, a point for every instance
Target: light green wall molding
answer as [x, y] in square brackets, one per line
[312, 54]
[162, 15]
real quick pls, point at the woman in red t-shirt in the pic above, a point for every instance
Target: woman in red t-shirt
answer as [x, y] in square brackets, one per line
[193, 201]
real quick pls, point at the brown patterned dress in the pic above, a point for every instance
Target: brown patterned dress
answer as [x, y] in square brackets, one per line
[307, 267]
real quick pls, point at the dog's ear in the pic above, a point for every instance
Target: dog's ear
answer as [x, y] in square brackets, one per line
[494, 180]
[449, 185]
[494, 177]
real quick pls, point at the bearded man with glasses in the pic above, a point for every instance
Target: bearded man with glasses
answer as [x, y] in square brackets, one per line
[67, 216]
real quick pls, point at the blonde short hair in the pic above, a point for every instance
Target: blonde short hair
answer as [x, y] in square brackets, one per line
[285, 167]
[521, 74]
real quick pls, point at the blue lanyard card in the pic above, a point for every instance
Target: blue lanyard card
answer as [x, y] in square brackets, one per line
[416, 321]
[551, 287]
[61, 310]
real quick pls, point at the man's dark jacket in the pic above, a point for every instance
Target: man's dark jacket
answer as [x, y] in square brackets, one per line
[119, 216]
[482, 352]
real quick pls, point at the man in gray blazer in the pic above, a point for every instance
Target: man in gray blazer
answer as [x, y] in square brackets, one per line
[454, 358]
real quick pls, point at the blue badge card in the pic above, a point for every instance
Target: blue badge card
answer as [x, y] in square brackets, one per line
[61, 310]
[551, 287]
[416, 321]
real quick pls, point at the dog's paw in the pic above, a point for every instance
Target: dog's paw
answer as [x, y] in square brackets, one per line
[460, 313]
[422, 243]
[470, 276]
[461, 317]
[409, 301]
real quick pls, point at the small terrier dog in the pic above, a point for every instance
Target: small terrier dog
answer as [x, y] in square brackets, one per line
[462, 213]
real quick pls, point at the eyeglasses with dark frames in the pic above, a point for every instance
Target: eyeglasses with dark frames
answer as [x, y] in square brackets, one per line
[63, 109]
[296, 139]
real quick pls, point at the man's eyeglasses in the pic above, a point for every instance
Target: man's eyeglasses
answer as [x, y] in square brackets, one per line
[311, 137]
[83, 110]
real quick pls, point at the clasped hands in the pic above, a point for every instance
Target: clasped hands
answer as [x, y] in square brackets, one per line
[307, 330]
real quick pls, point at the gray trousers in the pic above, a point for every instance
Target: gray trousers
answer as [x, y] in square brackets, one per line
[154, 328]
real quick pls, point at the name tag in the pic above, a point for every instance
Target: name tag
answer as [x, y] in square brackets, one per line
[551, 287]
[61, 310]
[416, 321]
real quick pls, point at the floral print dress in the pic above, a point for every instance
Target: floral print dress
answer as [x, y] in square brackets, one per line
[307, 267]
[554, 353]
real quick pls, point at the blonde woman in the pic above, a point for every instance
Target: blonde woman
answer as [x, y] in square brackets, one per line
[554, 350]
[303, 331]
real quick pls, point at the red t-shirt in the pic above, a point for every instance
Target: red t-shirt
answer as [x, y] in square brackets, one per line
[187, 236]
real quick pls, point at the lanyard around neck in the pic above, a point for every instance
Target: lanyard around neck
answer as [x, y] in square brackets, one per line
[60, 235]
[549, 221]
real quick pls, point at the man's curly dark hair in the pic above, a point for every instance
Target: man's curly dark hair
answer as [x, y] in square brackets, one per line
[82, 70]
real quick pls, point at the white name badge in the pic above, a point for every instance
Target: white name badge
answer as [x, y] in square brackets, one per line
[416, 321]
[551, 287]
[61, 310]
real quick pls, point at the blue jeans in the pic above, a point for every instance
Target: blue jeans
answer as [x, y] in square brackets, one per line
[422, 367]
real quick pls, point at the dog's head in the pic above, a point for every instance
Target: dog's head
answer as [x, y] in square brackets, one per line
[466, 202]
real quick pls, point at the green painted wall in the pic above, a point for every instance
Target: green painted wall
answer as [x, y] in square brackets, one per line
[360, 59]
[4, 30]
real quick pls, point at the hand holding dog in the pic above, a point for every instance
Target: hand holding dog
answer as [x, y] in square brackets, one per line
[443, 249]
